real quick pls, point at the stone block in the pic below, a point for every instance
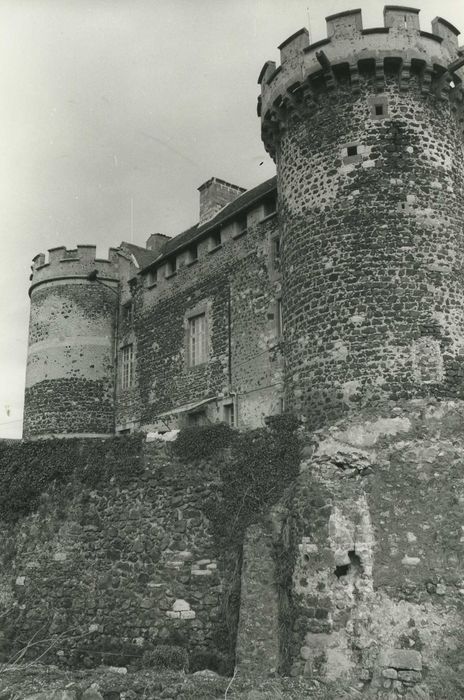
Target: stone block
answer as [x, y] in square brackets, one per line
[391, 673]
[410, 676]
[401, 659]
[180, 605]
[92, 694]
[187, 614]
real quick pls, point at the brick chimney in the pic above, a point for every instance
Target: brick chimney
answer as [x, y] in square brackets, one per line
[214, 195]
[156, 242]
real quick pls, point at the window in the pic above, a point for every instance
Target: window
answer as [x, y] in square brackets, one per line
[241, 226]
[275, 253]
[127, 312]
[196, 331]
[151, 278]
[196, 419]
[352, 151]
[278, 318]
[171, 266]
[192, 254]
[269, 206]
[215, 241]
[127, 366]
[229, 414]
[378, 105]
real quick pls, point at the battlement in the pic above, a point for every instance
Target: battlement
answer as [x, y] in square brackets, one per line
[76, 263]
[349, 49]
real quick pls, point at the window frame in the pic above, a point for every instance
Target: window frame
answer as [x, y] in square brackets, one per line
[278, 320]
[192, 254]
[127, 312]
[215, 241]
[267, 211]
[151, 279]
[200, 340]
[240, 226]
[275, 253]
[127, 366]
[171, 267]
[229, 412]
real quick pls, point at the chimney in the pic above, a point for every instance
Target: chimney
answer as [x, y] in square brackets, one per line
[214, 195]
[156, 242]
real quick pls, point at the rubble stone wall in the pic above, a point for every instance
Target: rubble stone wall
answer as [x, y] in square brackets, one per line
[106, 573]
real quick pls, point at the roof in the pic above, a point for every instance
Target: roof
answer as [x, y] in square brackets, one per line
[240, 204]
[143, 256]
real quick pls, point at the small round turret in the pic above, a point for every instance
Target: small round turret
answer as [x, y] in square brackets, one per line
[366, 130]
[70, 368]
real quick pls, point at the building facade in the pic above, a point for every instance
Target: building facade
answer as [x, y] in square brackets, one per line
[182, 332]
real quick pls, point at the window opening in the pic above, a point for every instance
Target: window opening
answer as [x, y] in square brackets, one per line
[278, 318]
[269, 206]
[127, 366]
[229, 414]
[127, 312]
[352, 151]
[197, 418]
[171, 266]
[242, 224]
[197, 340]
[379, 110]
[215, 240]
[152, 278]
[192, 253]
[275, 253]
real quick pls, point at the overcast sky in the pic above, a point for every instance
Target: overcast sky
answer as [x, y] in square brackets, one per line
[104, 101]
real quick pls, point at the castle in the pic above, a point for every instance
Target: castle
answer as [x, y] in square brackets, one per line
[308, 293]
[333, 292]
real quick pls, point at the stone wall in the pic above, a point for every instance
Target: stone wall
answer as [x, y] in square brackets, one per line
[237, 288]
[372, 531]
[107, 572]
[70, 371]
[73, 321]
[371, 244]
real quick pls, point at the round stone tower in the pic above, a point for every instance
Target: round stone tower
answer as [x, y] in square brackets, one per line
[70, 367]
[366, 128]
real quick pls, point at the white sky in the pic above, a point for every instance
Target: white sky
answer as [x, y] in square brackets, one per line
[107, 100]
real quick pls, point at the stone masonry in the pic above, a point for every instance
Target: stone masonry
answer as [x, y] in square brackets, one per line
[334, 292]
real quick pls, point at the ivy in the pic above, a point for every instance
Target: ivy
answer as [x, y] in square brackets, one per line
[263, 463]
[28, 469]
[202, 442]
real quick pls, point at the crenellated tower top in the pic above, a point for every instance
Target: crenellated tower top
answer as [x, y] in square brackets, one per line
[348, 51]
[75, 263]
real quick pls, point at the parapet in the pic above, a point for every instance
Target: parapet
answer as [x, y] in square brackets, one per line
[76, 263]
[349, 48]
